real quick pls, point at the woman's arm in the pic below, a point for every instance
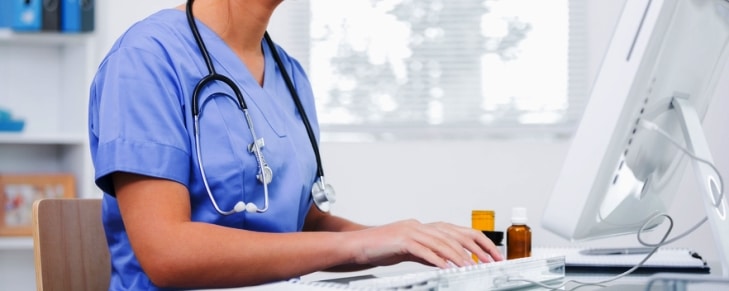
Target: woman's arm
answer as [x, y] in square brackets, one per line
[176, 252]
[437, 244]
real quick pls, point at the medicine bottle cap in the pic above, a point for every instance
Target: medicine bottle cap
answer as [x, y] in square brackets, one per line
[518, 215]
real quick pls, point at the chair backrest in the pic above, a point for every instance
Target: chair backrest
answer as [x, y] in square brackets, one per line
[69, 245]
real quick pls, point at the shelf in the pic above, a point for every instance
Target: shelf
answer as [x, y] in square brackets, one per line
[44, 80]
[22, 138]
[16, 243]
[8, 36]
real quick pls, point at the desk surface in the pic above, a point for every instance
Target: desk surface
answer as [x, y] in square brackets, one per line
[631, 282]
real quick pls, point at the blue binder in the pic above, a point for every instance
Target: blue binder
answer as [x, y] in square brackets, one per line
[27, 15]
[6, 13]
[77, 15]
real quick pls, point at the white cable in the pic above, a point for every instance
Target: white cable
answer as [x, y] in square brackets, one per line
[650, 126]
[616, 277]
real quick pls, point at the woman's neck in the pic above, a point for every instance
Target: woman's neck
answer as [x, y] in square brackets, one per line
[241, 25]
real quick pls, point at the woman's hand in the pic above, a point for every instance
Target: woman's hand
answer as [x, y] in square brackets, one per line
[439, 244]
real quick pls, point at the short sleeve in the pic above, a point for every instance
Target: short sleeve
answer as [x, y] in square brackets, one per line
[136, 118]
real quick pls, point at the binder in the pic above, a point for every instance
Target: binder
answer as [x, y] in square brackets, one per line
[6, 13]
[77, 15]
[578, 260]
[27, 15]
[51, 15]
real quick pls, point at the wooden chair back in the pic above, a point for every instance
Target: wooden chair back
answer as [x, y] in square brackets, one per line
[69, 245]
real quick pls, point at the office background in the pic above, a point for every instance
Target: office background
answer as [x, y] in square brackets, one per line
[379, 182]
[441, 180]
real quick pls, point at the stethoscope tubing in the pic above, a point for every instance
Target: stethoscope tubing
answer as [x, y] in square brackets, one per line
[299, 106]
[265, 172]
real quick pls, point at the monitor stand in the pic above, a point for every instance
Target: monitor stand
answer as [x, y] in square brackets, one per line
[715, 205]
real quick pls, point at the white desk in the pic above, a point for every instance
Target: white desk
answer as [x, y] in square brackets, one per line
[628, 283]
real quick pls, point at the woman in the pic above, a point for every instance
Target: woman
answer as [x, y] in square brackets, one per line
[178, 174]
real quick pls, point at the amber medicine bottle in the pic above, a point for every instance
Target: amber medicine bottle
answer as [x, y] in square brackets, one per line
[482, 220]
[518, 235]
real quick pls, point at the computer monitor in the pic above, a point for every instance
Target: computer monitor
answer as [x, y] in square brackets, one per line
[661, 68]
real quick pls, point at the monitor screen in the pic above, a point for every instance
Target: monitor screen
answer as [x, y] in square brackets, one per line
[659, 72]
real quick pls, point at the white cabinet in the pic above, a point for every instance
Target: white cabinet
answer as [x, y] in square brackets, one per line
[44, 80]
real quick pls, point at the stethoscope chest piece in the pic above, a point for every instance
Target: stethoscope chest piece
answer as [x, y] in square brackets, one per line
[323, 195]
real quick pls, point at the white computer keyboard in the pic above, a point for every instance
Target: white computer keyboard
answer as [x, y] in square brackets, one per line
[504, 275]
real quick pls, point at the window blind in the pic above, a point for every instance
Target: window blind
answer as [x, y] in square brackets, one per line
[405, 69]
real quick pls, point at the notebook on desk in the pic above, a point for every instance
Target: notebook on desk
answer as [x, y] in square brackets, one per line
[580, 259]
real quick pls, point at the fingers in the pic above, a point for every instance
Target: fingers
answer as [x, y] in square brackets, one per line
[428, 255]
[484, 249]
[472, 241]
[453, 244]
[480, 245]
[445, 242]
[439, 244]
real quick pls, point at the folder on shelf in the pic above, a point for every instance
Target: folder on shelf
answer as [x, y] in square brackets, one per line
[27, 15]
[51, 15]
[578, 259]
[6, 14]
[77, 16]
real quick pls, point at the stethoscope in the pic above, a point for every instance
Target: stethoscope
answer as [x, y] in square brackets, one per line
[322, 193]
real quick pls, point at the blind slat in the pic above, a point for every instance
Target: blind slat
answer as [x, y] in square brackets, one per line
[428, 65]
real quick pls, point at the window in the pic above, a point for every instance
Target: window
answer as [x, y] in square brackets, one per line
[403, 69]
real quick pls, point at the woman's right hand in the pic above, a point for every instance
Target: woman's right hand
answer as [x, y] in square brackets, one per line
[438, 244]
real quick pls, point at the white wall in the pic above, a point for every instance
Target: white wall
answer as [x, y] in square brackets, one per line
[444, 180]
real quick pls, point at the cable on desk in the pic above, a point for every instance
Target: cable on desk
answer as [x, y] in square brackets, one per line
[664, 240]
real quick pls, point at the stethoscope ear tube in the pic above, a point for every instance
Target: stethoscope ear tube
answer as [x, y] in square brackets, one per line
[215, 77]
[299, 106]
[322, 194]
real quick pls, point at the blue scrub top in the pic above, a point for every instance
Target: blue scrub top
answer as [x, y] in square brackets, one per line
[140, 121]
